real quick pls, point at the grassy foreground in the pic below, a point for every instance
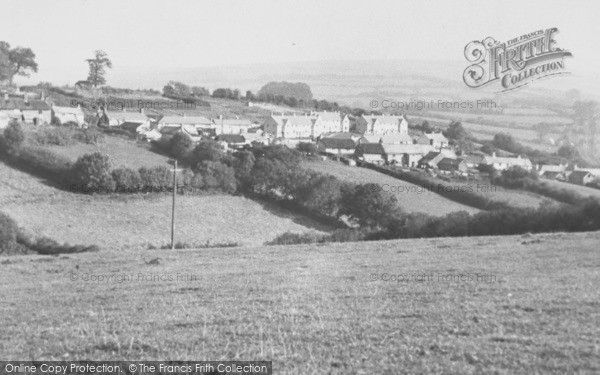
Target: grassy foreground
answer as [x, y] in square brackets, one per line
[318, 309]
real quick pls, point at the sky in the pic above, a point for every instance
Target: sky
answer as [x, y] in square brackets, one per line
[186, 34]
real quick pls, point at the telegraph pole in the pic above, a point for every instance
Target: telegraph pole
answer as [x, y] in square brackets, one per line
[173, 206]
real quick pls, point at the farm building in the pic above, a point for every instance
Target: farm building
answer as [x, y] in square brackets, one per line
[432, 159]
[30, 111]
[337, 146]
[169, 131]
[542, 169]
[371, 152]
[503, 163]
[232, 140]
[407, 155]
[62, 115]
[372, 124]
[449, 165]
[114, 118]
[436, 140]
[473, 160]
[230, 126]
[580, 177]
[390, 139]
[198, 122]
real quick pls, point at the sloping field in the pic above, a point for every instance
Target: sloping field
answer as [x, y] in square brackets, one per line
[123, 152]
[136, 221]
[411, 197]
[583, 190]
[480, 305]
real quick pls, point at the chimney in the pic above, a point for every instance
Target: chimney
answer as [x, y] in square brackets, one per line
[6, 96]
[142, 111]
[494, 154]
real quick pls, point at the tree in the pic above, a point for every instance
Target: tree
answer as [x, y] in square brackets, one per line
[307, 148]
[14, 136]
[369, 205]
[16, 61]
[206, 151]
[8, 233]
[568, 152]
[180, 146]
[92, 173]
[456, 132]
[98, 66]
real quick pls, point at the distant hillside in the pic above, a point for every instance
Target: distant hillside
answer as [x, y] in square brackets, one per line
[300, 91]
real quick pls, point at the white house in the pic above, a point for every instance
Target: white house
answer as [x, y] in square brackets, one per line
[390, 139]
[68, 114]
[407, 155]
[503, 163]
[115, 118]
[231, 125]
[31, 111]
[373, 124]
[436, 140]
[310, 125]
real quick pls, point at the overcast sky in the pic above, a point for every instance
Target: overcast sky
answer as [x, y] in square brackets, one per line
[174, 34]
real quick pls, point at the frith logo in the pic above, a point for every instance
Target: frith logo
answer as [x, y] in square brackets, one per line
[515, 63]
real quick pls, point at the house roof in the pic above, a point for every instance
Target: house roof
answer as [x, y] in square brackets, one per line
[429, 157]
[579, 174]
[328, 116]
[67, 110]
[473, 159]
[231, 138]
[126, 116]
[448, 164]
[384, 119]
[232, 122]
[392, 149]
[189, 120]
[393, 138]
[338, 143]
[551, 174]
[299, 121]
[436, 137]
[518, 161]
[371, 148]
[170, 130]
[21, 104]
[553, 168]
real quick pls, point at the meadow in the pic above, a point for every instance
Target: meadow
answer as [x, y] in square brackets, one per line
[503, 305]
[137, 221]
[411, 197]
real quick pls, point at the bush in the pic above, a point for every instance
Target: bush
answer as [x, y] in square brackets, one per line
[206, 151]
[14, 136]
[291, 238]
[127, 180]
[368, 205]
[43, 163]
[180, 145]
[218, 176]
[156, 179]
[59, 136]
[8, 233]
[92, 173]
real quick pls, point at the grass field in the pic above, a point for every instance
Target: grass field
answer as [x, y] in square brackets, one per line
[318, 309]
[135, 221]
[123, 152]
[413, 200]
[583, 190]
[519, 120]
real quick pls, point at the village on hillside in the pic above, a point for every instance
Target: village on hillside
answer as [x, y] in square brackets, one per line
[379, 139]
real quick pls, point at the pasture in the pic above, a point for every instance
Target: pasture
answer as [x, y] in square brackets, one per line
[503, 305]
[122, 152]
[135, 221]
[411, 197]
